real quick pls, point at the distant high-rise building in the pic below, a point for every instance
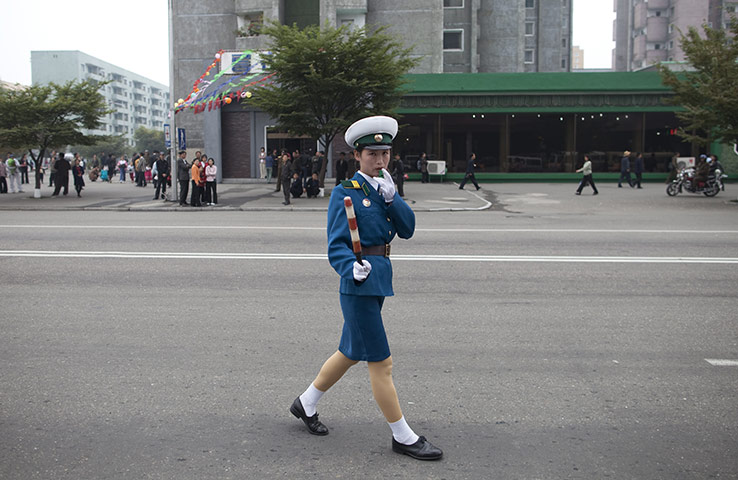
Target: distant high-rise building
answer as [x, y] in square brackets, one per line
[137, 100]
[648, 31]
[577, 58]
[453, 36]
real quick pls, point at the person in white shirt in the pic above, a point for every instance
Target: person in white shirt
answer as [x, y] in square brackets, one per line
[586, 176]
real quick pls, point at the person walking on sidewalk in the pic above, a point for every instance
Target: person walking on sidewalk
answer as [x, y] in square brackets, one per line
[586, 176]
[638, 169]
[78, 172]
[625, 169]
[470, 172]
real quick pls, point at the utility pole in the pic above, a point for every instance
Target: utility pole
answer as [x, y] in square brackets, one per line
[173, 148]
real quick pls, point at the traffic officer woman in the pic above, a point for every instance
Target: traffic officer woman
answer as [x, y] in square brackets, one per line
[380, 214]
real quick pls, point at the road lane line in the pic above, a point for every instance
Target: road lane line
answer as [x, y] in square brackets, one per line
[722, 363]
[421, 258]
[420, 229]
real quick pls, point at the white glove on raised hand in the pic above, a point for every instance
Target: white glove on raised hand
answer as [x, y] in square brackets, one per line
[361, 270]
[386, 186]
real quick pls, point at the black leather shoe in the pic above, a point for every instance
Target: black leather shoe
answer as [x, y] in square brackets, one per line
[312, 423]
[420, 450]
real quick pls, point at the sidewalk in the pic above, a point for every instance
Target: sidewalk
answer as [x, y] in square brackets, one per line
[253, 196]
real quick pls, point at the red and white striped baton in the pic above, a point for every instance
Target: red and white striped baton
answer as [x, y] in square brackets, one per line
[353, 227]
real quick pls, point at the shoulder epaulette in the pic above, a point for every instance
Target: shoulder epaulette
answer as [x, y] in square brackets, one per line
[350, 184]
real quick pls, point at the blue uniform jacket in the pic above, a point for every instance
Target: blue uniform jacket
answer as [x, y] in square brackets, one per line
[378, 224]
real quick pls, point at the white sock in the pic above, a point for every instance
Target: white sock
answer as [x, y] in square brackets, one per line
[310, 399]
[402, 432]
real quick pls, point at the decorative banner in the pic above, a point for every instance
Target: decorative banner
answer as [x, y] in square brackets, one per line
[242, 73]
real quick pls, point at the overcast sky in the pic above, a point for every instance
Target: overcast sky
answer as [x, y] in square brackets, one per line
[134, 34]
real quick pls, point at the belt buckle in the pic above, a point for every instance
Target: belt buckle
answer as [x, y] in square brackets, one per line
[387, 248]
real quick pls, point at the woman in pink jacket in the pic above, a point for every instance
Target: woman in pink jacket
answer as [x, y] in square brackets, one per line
[211, 193]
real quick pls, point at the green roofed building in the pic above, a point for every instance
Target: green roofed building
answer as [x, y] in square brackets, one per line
[538, 122]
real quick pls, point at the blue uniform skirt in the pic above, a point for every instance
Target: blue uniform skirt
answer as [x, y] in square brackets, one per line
[363, 337]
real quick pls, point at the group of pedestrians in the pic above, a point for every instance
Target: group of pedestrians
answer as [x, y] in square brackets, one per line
[198, 178]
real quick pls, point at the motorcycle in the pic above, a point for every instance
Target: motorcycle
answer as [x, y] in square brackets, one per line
[685, 182]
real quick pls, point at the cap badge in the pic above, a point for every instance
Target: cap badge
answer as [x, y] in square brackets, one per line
[378, 137]
[366, 202]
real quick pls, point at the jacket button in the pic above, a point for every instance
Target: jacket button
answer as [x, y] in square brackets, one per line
[388, 219]
[390, 232]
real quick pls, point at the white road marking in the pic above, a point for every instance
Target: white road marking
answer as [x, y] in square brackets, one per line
[442, 230]
[722, 363]
[318, 256]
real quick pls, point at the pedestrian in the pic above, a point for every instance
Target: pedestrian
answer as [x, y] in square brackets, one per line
[423, 167]
[23, 169]
[122, 167]
[262, 163]
[162, 171]
[203, 179]
[673, 167]
[13, 174]
[183, 177]
[470, 164]
[365, 282]
[211, 175]
[269, 165]
[3, 176]
[586, 176]
[625, 169]
[341, 167]
[286, 176]
[278, 175]
[398, 174]
[52, 168]
[61, 178]
[195, 173]
[78, 173]
[638, 169]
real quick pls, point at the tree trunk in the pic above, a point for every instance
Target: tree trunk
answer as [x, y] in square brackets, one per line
[324, 166]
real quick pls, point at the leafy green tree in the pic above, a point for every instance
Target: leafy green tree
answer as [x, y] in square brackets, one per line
[115, 144]
[149, 139]
[327, 78]
[709, 93]
[43, 117]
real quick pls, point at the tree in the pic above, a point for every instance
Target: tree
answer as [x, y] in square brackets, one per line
[327, 78]
[115, 144]
[149, 139]
[709, 94]
[43, 117]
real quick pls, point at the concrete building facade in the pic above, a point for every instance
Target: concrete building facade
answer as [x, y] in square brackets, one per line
[137, 100]
[446, 36]
[648, 31]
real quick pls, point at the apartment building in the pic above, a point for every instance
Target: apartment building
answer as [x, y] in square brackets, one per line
[447, 36]
[648, 31]
[136, 100]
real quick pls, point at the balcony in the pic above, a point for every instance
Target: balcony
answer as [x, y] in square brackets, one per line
[640, 14]
[658, 4]
[657, 29]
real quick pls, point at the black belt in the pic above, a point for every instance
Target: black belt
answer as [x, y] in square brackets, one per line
[381, 250]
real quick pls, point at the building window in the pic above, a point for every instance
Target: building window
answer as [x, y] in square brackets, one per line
[671, 28]
[530, 29]
[453, 3]
[453, 39]
[563, 64]
[563, 43]
[528, 56]
[530, 3]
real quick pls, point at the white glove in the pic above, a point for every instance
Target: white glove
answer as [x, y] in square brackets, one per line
[386, 186]
[361, 270]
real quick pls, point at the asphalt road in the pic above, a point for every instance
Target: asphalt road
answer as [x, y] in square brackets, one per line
[551, 336]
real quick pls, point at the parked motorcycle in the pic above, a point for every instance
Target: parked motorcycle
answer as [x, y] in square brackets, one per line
[685, 182]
